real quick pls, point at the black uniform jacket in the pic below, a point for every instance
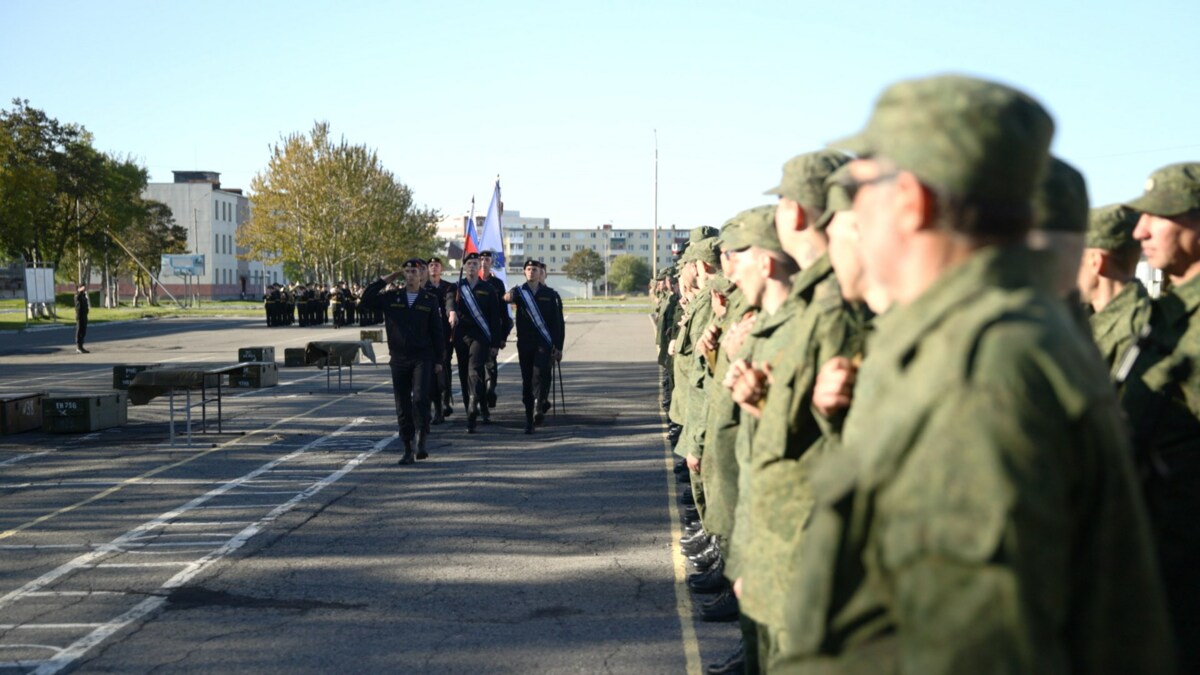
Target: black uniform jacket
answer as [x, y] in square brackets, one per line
[413, 331]
[491, 306]
[550, 304]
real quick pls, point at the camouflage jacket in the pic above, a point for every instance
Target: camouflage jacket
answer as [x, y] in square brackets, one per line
[982, 514]
[1116, 327]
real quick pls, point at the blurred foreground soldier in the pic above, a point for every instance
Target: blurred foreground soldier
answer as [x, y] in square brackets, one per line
[82, 306]
[493, 368]
[477, 337]
[982, 513]
[1060, 220]
[1162, 392]
[415, 342]
[540, 335]
[1108, 283]
[443, 404]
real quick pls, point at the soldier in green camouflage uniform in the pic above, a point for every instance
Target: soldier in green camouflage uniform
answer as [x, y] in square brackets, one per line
[981, 514]
[1162, 393]
[1107, 282]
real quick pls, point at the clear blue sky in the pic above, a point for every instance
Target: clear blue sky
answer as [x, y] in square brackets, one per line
[562, 98]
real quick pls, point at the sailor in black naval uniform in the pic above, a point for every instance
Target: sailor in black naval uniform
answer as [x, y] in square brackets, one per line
[540, 332]
[477, 337]
[413, 321]
[486, 259]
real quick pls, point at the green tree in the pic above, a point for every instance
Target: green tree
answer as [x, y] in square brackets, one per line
[331, 210]
[628, 273]
[585, 266]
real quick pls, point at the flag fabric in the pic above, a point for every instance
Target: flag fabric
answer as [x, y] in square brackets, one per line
[491, 238]
[471, 237]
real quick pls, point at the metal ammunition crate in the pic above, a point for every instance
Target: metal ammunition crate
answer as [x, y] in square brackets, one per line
[255, 376]
[123, 374]
[20, 412]
[81, 414]
[256, 355]
[293, 357]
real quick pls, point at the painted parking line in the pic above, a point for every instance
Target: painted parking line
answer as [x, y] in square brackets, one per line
[21, 458]
[65, 657]
[134, 480]
[683, 599]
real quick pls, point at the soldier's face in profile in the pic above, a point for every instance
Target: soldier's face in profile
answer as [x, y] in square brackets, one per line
[1169, 245]
[844, 255]
[876, 212]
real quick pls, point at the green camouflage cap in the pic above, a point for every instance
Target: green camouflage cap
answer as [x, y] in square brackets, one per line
[804, 177]
[837, 197]
[1171, 191]
[1110, 228]
[1060, 202]
[969, 137]
[706, 251]
[754, 227]
[701, 233]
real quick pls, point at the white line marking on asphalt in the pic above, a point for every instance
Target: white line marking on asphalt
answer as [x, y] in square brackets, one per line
[80, 647]
[90, 559]
[21, 458]
[209, 523]
[73, 593]
[176, 563]
[46, 626]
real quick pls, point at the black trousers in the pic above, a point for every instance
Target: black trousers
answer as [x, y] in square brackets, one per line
[492, 369]
[442, 395]
[411, 380]
[535, 374]
[80, 331]
[472, 358]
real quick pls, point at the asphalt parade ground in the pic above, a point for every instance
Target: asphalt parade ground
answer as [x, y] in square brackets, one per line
[291, 542]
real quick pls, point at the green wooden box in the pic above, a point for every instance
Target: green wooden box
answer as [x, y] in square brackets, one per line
[81, 414]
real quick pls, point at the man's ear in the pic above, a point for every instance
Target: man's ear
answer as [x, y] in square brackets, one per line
[916, 206]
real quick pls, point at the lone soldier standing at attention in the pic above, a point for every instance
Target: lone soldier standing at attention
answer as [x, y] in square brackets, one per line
[540, 333]
[477, 337]
[415, 341]
[493, 369]
[81, 317]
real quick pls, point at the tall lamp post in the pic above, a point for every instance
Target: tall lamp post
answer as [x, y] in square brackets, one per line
[654, 239]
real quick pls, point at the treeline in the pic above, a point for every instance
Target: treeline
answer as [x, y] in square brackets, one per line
[328, 210]
[63, 202]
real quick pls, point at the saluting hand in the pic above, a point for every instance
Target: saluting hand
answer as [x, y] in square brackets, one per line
[834, 388]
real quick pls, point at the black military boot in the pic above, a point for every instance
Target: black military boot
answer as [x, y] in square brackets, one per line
[421, 454]
[408, 454]
[471, 417]
[529, 420]
[723, 607]
[734, 665]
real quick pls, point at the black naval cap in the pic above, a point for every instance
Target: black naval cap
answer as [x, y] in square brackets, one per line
[485, 254]
[530, 262]
[434, 259]
[414, 262]
[470, 256]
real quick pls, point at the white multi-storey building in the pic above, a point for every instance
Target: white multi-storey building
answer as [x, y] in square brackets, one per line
[212, 215]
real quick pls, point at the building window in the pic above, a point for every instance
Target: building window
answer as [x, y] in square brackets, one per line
[551, 247]
[593, 235]
[553, 259]
[553, 235]
[541, 247]
[645, 247]
[645, 235]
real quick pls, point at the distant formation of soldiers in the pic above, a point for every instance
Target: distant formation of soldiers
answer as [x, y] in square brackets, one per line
[930, 420]
[311, 305]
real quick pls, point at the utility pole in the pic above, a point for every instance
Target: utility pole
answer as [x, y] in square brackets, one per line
[654, 239]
